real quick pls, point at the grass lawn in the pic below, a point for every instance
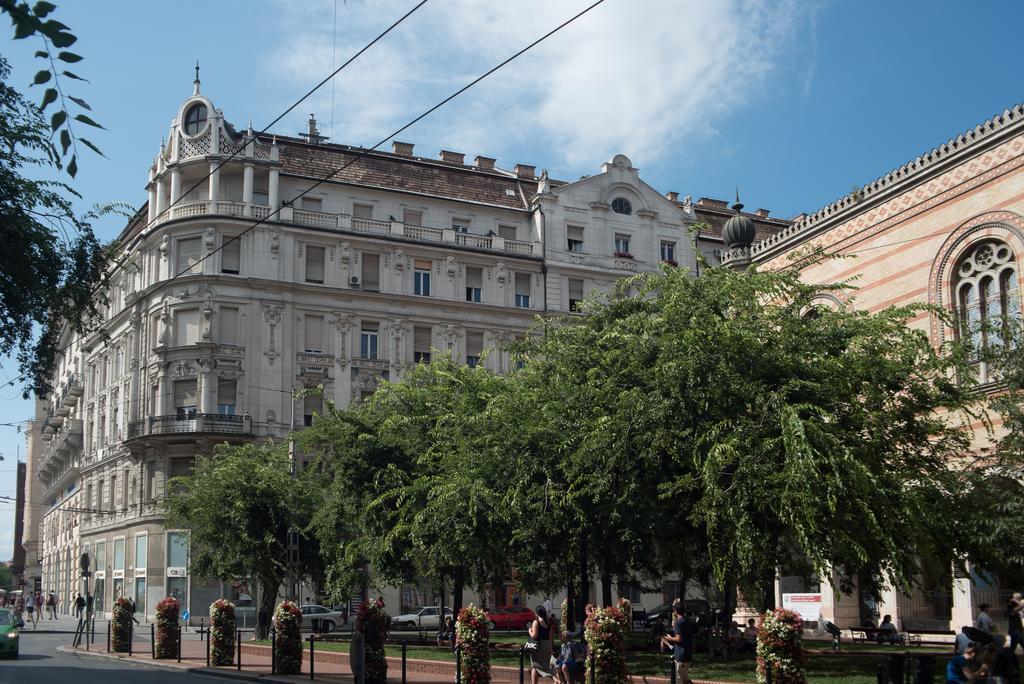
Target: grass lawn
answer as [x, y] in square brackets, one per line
[852, 666]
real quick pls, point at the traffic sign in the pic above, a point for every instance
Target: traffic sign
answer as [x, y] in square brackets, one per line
[184, 615]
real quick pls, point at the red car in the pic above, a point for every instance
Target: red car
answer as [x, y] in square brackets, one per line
[511, 617]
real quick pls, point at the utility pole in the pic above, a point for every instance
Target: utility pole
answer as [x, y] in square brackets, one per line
[293, 542]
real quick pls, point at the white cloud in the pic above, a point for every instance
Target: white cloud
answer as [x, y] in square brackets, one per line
[632, 76]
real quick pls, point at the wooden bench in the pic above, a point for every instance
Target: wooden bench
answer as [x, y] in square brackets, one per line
[921, 633]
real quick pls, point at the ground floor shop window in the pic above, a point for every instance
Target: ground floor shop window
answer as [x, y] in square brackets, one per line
[177, 588]
[140, 595]
[118, 588]
[97, 595]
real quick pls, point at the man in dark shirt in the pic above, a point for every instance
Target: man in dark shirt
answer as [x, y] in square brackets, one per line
[681, 641]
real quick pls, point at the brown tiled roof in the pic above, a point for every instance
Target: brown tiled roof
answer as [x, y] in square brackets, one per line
[392, 172]
[716, 217]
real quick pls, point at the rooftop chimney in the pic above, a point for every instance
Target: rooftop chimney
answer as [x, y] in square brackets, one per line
[449, 157]
[763, 213]
[672, 196]
[484, 163]
[708, 202]
[312, 134]
[401, 148]
[525, 171]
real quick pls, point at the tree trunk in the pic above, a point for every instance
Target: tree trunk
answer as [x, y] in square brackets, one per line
[268, 601]
[584, 598]
[606, 577]
[729, 601]
[440, 610]
[458, 583]
[570, 609]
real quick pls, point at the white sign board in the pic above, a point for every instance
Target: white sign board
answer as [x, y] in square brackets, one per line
[807, 606]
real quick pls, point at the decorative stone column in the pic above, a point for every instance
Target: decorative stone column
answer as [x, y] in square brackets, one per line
[214, 187]
[247, 176]
[963, 602]
[175, 185]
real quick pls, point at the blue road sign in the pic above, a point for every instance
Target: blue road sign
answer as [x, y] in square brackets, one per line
[184, 615]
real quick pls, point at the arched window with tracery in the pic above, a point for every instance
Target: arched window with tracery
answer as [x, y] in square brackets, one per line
[986, 293]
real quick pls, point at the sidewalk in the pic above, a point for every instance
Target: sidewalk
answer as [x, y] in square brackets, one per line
[329, 666]
[63, 623]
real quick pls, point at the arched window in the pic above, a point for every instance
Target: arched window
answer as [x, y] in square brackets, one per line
[986, 292]
[621, 205]
[195, 119]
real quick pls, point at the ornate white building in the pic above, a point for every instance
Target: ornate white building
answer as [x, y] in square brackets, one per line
[221, 308]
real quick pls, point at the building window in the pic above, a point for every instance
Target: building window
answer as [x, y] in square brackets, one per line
[421, 278]
[189, 251]
[141, 552]
[507, 232]
[575, 294]
[186, 327]
[523, 290]
[362, 211]
[668, 252]
[312, 204]
[185, 399]
[412, 218]
[119, 554]
[368, 341]
[227, 395]
[230, 254]
[621, 205]
[421, 345]
[312, 404]
[474, 283]
[228, 325]
[574, 243]
[987, 294]
[474, 348]
[314, 264]
[314, 338]
[195, 119]
[460, 225]
[622, 246]
[371, 272]
[630, 591]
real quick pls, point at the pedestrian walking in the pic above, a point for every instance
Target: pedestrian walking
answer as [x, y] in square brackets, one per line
[984, 621]
[681, 641]
[134, 607]
[1015, 625]
[30, 608]
[540, 657]
[51, 606]
[79, 605]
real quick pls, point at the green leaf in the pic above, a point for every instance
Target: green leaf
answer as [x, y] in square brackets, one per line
[57, 120]
[42, 8]
[63, 40]
[73, 166]
[65, 141]
[65, 56]
[49, 97]
[42, 76]
[43, 54]
[80, 102]
[91, 146]
[74, 76]
[86, 120]
[23, 27]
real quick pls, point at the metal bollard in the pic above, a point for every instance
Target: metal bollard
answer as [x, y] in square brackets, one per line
[362, 670]
[593, 670]
[458, 665]
[131, 638]
[312, 639]
[273, 651]
[179, 643]
[522, 665]
[152, 640]
[207, 652]
[672, 672]
[881, 674]
[404, 644]
[238, 656]
[768, 673]
[108, 636]
[202, 633]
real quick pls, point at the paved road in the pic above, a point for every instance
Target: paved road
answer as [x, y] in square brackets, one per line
[39, 663]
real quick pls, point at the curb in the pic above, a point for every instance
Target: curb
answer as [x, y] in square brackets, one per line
[202, 671]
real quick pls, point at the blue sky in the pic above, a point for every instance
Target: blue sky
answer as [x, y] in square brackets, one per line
[794, 102]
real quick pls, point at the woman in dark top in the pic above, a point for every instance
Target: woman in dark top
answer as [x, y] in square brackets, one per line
[1016, 626]
[540, 658]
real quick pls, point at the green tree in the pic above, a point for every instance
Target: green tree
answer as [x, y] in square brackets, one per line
[53, 265]
[6, 577]
[773, 429]
[410, 487]
[240, 504]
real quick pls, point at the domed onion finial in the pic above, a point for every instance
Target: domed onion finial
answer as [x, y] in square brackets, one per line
[739, 230]
[195, 83]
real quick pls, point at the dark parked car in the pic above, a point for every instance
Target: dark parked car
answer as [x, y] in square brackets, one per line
[698, 610]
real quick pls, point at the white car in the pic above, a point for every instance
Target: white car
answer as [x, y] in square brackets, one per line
[330, 620]
[424, 618]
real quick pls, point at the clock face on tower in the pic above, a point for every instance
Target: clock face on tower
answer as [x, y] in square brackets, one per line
[195, 118]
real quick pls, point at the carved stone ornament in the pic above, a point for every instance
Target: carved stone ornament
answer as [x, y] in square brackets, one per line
[272, 315]
[275, 242]
[399, 259]
[184, 369]
[271, 417]
[164, 337]
[165, 246]
[209, 238]
[450, 266]
[501, 273]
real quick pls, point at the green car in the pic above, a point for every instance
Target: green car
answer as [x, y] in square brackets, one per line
[9, 633]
